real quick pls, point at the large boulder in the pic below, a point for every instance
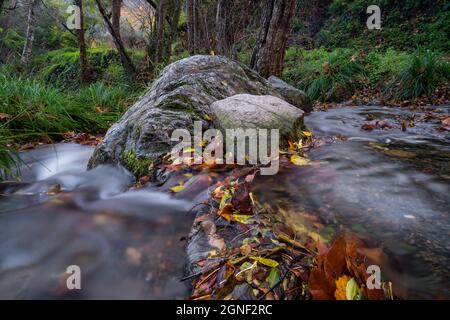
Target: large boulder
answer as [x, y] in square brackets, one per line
[182, 94]
[259, 112]
[294, 96]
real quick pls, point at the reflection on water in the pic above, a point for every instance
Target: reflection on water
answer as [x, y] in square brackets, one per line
[391, 197]
[127, 244]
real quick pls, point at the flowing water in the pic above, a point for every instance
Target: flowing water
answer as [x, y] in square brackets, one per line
[389, 186]
[126, 243]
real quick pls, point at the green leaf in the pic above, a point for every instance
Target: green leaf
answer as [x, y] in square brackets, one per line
[274, 277]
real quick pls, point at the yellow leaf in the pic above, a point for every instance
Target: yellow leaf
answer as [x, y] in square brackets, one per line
[267, 262]
[188, 175]
[242, 218]
[307, 133]
[299, 161]
[177, 188]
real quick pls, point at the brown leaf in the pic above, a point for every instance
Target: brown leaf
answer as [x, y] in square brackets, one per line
[241, 198]
[319, 287]
[4, 116]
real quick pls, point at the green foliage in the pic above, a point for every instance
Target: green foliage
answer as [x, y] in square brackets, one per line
[325, 76]
[335, 75]
[406, 24]
[381, 66]
[12, 41]
[61, 67]
[37, 110]
[423, 73]
[9, 159]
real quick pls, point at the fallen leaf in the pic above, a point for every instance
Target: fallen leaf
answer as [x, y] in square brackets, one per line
[299, 161]
[245, 249]
[133, 256]
[341, 287]
[4, 116]
[265, 261]
[274, 277]
[352, 290]
[242, 218]
[178, 188]
[226, 212]
[399, 153]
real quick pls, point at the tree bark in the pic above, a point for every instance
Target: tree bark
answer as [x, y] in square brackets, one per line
[276, 26]
[222, 21]
[193, 26]
[115, 15]
[174, 19]
[31, 28]
[86, 72]
[167, 19]
[123, 55]
[160, 29]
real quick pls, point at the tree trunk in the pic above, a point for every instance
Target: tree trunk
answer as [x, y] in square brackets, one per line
[160, 28]
[232, 17]
[115, 15]
[175, 11]
[193, 26]
[222, 21]
[276, 25]
[123, 55]
[86, 72]
[31, 28]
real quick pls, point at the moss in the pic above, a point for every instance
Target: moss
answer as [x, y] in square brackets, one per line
[137, 165]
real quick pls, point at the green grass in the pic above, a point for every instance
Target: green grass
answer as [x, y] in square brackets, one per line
[406, 25]
[9, 160]
[325, 76]
[32, 110]
[337, 74]
[423, 73]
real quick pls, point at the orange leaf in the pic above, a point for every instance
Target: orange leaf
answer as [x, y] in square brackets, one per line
[341, 287]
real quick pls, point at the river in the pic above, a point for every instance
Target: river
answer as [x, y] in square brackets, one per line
[388, 186]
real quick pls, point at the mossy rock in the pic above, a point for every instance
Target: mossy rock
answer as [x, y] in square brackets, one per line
[182, 94]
